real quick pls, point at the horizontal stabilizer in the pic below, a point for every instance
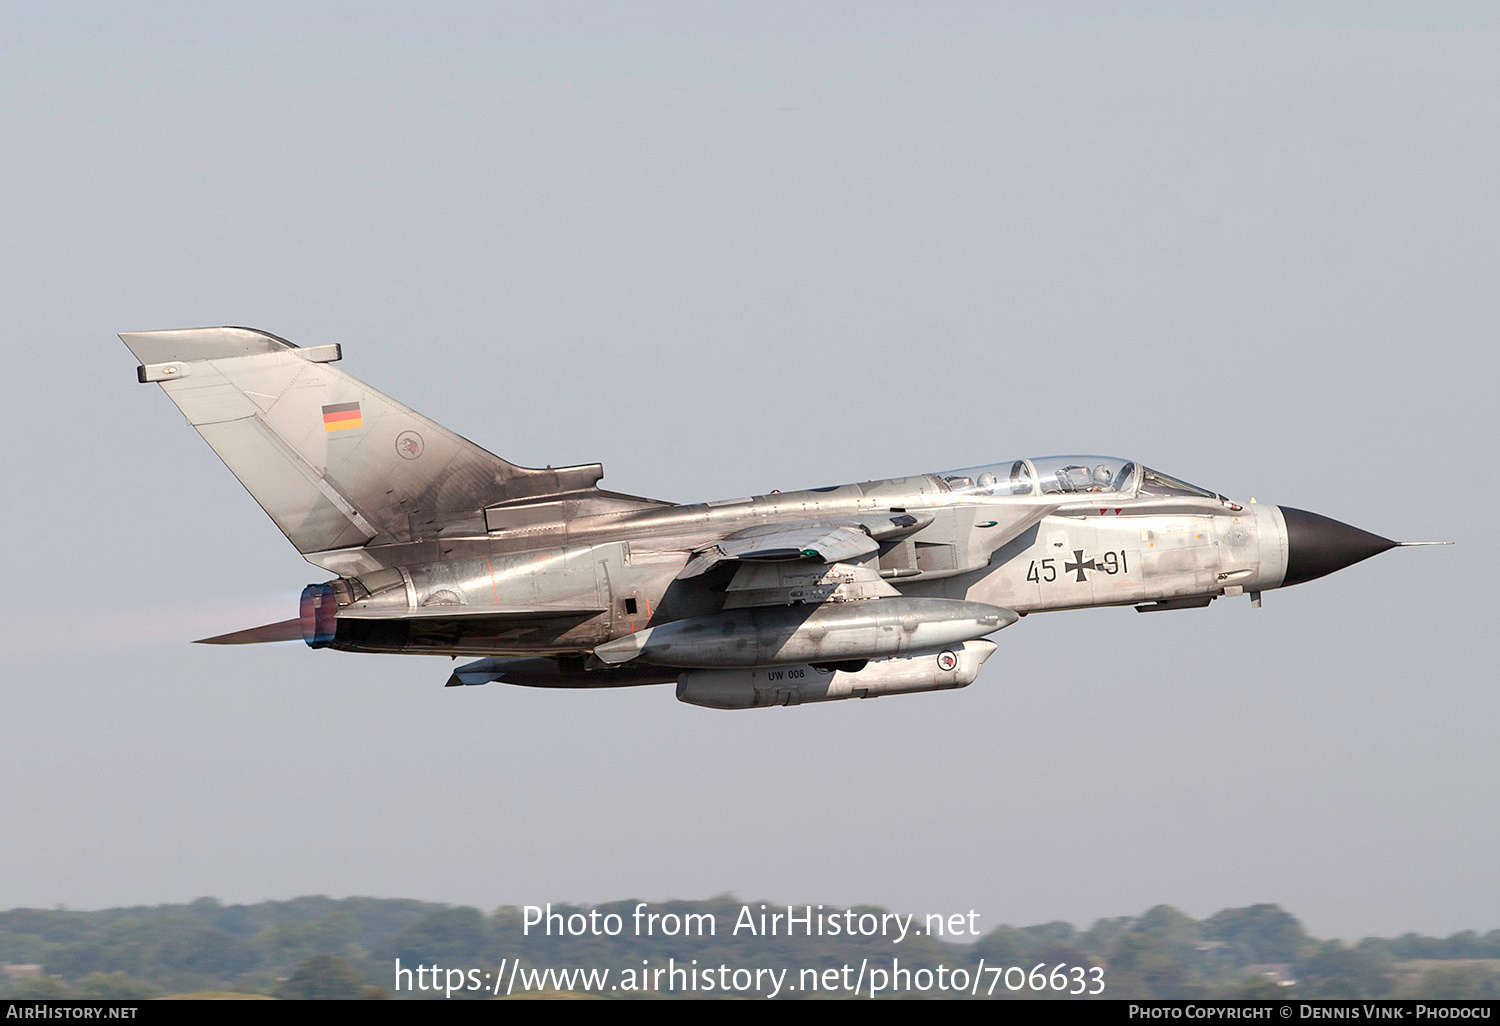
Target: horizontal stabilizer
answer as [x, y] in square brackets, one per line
[286, 630]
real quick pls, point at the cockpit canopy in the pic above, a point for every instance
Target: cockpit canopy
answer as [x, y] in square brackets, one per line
[1062, 477]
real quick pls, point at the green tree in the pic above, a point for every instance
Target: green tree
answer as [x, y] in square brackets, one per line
[1263, 933]
[1003, 945]
[1336, 971]
[1102, 937]
[1146, 959]
[1166, 923]
[449, 935]
[326, 978]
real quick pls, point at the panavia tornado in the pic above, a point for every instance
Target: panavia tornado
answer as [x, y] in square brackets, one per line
[853, 591]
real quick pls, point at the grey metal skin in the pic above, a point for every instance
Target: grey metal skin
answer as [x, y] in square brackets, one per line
[822, 633]
[443, 548]
[762, 686]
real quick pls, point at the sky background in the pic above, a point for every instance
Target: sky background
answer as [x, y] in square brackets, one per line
[734, 247]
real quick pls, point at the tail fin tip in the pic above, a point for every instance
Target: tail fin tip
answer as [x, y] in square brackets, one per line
[185, 344]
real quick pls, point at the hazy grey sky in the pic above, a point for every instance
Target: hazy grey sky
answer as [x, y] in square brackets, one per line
[728, 248]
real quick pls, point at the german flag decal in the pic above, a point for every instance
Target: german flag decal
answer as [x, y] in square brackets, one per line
[341, 416]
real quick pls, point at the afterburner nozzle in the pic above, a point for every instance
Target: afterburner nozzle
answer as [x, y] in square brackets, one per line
[319, 615]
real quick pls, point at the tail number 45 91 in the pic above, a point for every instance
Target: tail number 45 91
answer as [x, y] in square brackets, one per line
[1044, 571]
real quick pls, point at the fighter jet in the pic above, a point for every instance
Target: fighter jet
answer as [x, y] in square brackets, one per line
[852, 591]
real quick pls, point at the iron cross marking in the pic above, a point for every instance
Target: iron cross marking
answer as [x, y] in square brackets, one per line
[1079, 567]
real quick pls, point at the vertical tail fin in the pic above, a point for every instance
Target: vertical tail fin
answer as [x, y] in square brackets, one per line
[334, 462]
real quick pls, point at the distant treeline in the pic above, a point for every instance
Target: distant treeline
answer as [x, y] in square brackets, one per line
[322, 947]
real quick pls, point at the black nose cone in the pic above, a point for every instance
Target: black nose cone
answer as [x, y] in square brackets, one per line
[1316, 545]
